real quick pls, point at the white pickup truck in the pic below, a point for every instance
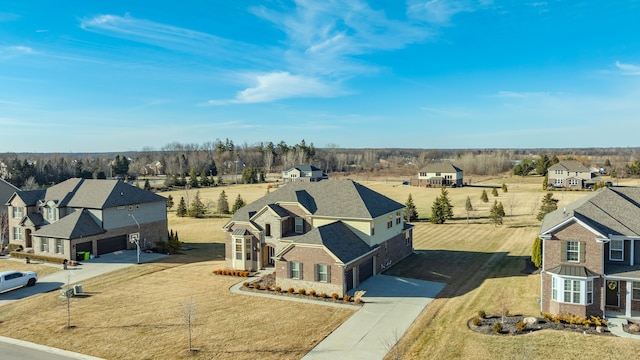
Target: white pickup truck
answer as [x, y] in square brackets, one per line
[13, 279]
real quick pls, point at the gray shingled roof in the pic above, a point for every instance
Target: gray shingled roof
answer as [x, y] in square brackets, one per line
[100, 194]
[441, 167]
[569, 165]
[572, 270]
[344, 199]
[305, 168]
[337, 238]
[75, 225]
[610, 211]
[30, 197]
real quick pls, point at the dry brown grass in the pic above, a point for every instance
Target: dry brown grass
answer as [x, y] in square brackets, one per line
[20, 265]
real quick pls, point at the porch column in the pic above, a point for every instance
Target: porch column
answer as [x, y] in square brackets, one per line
[632, 251]
[628, 292]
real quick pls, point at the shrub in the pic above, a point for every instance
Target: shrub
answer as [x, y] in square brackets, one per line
[291, 290]
[346, 298]
[256, 286]
[267, 287]
[245, 284]
[476, 321]
[482, 314]
[335, 296]
[497, 327]
[45, 258]
[302, 291]
[312, 293]
[521, 326]
[278, 288]
[323, 295]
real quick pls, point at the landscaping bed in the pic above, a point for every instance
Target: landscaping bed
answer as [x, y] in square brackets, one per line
[519, 324]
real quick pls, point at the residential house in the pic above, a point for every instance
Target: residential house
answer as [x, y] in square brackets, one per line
[440, 174]
[571, 174]
[80, 216]
[591, 255]
[328, 236]
[303, 173]
[6, 190]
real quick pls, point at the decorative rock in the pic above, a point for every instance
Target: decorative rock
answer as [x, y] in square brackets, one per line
[634, 328]
[530, 320]
[599, 329]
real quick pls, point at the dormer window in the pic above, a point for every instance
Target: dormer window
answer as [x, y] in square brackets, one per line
[616, 250]
[299, 225]
[51, 213]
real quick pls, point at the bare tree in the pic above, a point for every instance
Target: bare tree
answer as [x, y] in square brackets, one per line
[511, 203]
[188, 318]
[4, 227]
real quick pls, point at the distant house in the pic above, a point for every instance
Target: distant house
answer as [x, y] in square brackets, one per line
[440, 174]
[571, 174]
[80, 215]
[328, 236]
[303, 173]
[591, 255]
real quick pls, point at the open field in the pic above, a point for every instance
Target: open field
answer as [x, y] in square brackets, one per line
[135, 313]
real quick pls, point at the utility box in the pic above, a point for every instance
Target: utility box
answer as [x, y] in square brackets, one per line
[77, 289]
[66, 293]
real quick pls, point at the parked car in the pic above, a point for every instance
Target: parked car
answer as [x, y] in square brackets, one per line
[12, 279]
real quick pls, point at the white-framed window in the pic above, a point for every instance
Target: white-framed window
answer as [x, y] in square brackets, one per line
[573, 251]
[299, 225]
[558, 182]
[616, 250]
[59, 247]
[44, 245]
[558, 172]
[51, 213]
[323, 272]
[296, 270]
[247, 249]
[267, 229]
[390, 221]
[238, 249]
[407, 238]
[573, 182]
[17, 233]
[574, 291]
[398, 217]
[635, 291]
[18, 212]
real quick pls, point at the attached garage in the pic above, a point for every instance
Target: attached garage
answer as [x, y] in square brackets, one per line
[82, 248]
[365, 270]
[110, 245]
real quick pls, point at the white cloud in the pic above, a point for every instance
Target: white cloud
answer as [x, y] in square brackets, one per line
[7, 52]
[521, 95]
[628, 69]
[280, 85]
[438, 12]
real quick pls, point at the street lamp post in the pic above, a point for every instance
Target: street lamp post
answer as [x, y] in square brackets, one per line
[136, 239]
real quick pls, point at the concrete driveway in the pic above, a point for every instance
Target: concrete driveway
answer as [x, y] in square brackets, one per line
[391, 306]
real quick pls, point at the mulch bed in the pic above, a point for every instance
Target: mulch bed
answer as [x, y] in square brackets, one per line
[509, 326]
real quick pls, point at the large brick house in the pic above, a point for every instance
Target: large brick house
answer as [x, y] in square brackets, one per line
[591, 255]
[303, 173]
[440, 174]
[80, 215]
[328, 236]
[570, 174]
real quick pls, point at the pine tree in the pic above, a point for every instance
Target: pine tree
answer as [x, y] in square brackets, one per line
[536, 252]
[504, 187]
[181, 211]
[545, 182]
[204, 179]
[549, 204]
[147, 185]
[193, 178]
[494, 192]
[441, 210]
[223, 204]
[484, 196]
[169, 202]
[468, 208]
[197, 208]
[410, 212]
[237, 204]
[495, 215]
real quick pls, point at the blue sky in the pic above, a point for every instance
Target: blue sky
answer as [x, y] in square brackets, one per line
[91, 76]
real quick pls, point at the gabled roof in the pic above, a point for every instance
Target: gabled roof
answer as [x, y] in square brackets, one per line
[344, 199]
[337, 238]
[29, 197]
[6, 191]
[569, 165]
[441, 167]
[572, 270]
[305, 168]
[609, 211]
[75, 225]
[33, 219]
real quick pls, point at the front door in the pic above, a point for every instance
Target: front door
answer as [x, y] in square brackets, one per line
[612, 293]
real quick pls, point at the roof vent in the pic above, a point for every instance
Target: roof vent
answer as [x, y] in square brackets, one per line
[121, 193]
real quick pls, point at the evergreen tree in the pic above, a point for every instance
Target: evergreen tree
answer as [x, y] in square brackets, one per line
[468, 208]
[101, 175]
[147, 185]
[220, 180]
[193, 178]
[501, 209]
[494, 192]
[86, 174]
[410, 212]
[174, 244]
[549, 204]
[441, 210]
[181, 211]
[545, 182]
[536, 252]
[237, 204]
[250, 175]
[223, 204]
[197, 208]
[169, 202]
[484, 196]
[120, 165]
[504, 187]
[495, 215]
[204, 179]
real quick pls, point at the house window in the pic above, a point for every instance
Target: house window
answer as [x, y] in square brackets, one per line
[390, 222]
[438, 174]
[17, 233]
[635, 292]
[573, 182]
[558, 172]
[59, 247]
[323, 272]
[44, 245]
[398, 217]
[51, 213]
[558, 182]
[247, 249]
[296, 270]
[554, 288]
[589, 292]
[373, 229]
[407, 238]
[572, 291]
[267, 229]
[299, 225]
[238, 249]
[17, 212]
[573, 251]
[616, 250]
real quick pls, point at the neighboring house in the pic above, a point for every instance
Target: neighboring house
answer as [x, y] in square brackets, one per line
[591, 255]
[440, 174]
[303, 173]
[6, 190]
[571, 174]
[79, 215]
[328, 236]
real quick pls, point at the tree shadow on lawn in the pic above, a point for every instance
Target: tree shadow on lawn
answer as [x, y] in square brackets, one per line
[462, 271]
